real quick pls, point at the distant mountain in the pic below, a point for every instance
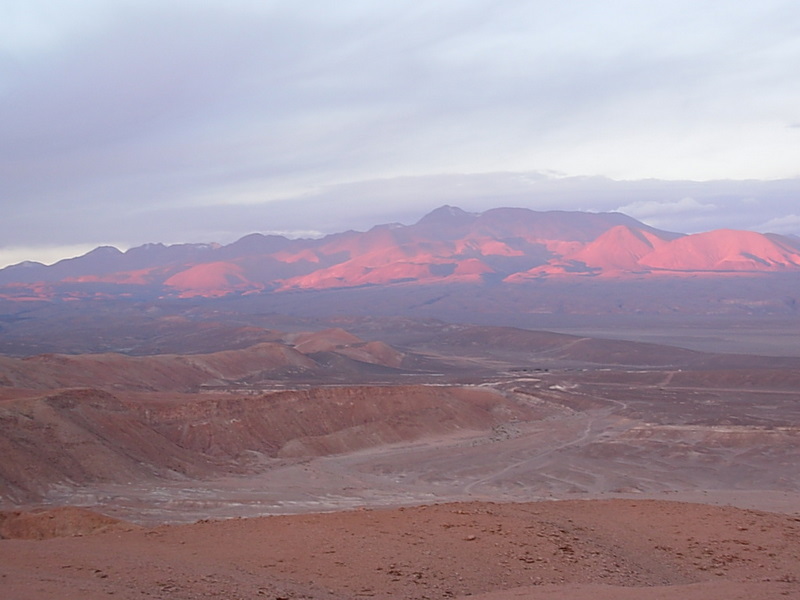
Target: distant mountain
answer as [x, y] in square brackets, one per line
[725, 250]
[449, 245]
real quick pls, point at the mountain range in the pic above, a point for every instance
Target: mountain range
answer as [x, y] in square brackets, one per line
[449, 245]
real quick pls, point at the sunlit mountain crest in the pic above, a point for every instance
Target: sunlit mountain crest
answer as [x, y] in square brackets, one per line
[448, 245]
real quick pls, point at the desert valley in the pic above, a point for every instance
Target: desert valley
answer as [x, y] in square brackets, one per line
[501, 405]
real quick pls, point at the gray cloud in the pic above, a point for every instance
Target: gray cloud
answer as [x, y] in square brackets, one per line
[789, 224]
[659, 213]
[680, 206]
[136, 121]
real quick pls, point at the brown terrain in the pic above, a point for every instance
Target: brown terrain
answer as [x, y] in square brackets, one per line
[310, 419]
[332, 465]
[579, 550]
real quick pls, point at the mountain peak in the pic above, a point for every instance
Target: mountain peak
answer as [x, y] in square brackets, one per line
[448, 245]
[28, 264]
[447, 214]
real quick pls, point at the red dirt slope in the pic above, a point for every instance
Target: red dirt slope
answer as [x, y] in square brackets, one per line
[647, 550]
[64, 521]
[77, 437]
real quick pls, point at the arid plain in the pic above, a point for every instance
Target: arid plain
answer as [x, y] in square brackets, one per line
[333, 464]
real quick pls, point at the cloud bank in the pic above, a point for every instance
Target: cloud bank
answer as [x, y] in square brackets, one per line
[115, 115]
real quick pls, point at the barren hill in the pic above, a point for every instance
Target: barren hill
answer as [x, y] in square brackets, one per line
[301, 357]
[76, 437]
[508, 245]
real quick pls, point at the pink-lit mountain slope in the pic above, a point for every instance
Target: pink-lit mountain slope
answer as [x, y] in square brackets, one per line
[725, 250]
[621, 248]
[449, 245]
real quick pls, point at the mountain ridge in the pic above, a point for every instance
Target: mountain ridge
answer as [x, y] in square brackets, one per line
[448, 245]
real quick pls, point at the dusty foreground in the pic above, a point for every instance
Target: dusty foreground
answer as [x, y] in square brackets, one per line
[550, 550]
[244, 482]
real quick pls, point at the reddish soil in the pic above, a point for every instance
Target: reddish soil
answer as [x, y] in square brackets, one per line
[537, 419]
[552, 550]
[64, 521]
[73, 438]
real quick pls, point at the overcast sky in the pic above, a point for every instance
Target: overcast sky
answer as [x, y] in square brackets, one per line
[124, 122]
